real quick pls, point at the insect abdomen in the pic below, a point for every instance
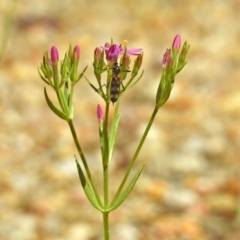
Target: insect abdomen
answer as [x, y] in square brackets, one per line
[115, 88]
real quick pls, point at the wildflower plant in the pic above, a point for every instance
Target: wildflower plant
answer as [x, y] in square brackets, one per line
[114, 60]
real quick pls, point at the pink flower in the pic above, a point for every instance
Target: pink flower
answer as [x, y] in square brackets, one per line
[113, 52]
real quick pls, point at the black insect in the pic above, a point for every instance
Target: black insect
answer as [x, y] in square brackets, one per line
[115, 83]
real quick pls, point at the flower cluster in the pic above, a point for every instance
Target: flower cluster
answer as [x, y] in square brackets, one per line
[61, 80]
[174, 59]
[113, 51]
[114, 60]
[118, 59]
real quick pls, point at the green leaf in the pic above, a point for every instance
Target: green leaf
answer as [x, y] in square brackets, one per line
[55, 109]
[114, 130]
[87, 189]
[91, 85]
[81, 74]
[127, 191]
[136, 81]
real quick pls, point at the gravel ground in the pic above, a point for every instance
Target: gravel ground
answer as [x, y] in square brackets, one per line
[190, 187]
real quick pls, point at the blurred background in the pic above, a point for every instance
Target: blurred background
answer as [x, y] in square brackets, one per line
[190, 187]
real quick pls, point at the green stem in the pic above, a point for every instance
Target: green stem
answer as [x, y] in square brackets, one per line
[105, 185]
[136, 154]
[105, 214]
[105, 136]
[63, 107]
[70, 123]
[106, 225]
[105, 163]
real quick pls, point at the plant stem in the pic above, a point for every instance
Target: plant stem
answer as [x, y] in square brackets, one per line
[70, 123]
[105, 136]
[105, 214]
[136, 153]
[105, 163]
[106, 225]
[105, 185]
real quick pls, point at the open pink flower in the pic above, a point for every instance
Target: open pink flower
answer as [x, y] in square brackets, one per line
[114, 50]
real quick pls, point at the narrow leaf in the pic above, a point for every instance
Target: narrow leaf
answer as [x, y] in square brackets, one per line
[55, 109]
[94, 88]
[136, 81]
[114, 130]
[127, 191]
[87, 189]
[81, 74]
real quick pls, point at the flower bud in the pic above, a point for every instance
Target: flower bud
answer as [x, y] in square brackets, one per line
[54, 55]
[138, 61]
[176, 42]
[137, 64]
[99, 113]
[184, 51]
[126, 61]
[97, 54]
[76, 53]
[166, 58]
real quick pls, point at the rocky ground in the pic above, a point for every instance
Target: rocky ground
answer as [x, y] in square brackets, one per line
[190, 187]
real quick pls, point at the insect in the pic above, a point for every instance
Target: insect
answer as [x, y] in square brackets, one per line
[115, 82]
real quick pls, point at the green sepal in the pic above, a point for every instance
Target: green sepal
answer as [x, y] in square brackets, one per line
[114, 130]
[87, 189]
[165, 94]
[64, 79]
[130, 84]
[64, 102]
[164, 88]
[81, 74]
[43, 78]
[127, 191]
[66, 67]
[55, 109]
[98, 90]
[55, 75]
[181, 67]
[91, 85]
[46, 68]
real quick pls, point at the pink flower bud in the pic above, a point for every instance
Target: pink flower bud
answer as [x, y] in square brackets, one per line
[126, 60]
[97, 54]
[54, 55]
[166, 58]
[139, 60]
[176, 42]
[76, 53]
[99, 113]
